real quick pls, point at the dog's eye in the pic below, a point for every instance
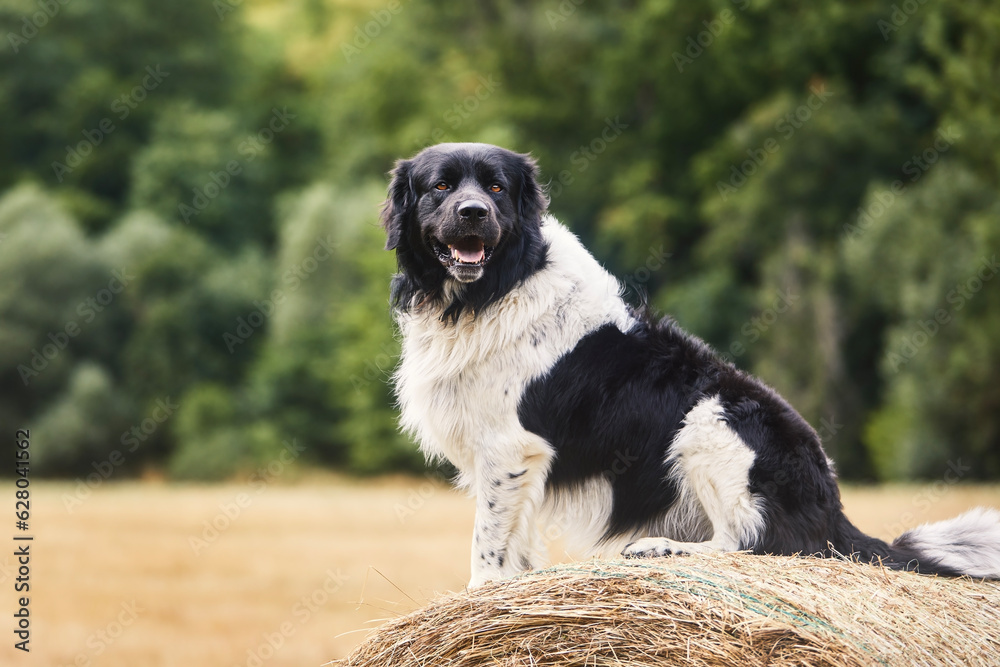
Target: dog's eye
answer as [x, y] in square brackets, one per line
[441, 186]
[496, 187]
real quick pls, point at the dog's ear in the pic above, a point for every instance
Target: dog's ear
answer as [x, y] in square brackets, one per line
[532, 202]
[399, 204]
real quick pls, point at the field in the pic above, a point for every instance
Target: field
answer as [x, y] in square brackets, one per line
[137, 574]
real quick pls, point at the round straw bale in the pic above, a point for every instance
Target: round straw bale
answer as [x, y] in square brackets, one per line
[708, 610]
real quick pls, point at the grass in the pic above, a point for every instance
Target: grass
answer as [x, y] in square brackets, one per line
[306, 568]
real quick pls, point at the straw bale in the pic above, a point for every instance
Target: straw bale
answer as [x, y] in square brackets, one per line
[707, 610]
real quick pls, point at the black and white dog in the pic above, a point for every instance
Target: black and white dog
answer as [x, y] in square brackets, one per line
[523, 366]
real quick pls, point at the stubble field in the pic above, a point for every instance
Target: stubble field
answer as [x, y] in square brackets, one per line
[148, 573]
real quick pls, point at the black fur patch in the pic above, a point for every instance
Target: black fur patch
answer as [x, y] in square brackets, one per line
[612, 406]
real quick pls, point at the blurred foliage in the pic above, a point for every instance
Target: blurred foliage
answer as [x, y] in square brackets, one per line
[191, 272]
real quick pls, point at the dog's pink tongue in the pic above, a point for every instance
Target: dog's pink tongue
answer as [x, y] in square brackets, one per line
[469, 251]
[469, 256]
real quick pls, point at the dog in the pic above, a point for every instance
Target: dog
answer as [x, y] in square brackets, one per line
[555, 400]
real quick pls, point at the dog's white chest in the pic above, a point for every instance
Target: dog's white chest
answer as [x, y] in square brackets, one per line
[459, 384]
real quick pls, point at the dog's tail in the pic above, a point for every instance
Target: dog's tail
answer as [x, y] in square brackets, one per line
[969, 545]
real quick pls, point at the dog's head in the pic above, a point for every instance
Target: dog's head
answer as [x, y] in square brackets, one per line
[467, 213]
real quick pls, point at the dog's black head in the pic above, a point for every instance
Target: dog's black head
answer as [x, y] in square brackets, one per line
[464, 216]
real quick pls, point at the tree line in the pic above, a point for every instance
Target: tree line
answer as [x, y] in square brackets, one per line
[192, 277]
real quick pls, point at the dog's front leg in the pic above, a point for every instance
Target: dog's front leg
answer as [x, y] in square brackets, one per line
[508, 495]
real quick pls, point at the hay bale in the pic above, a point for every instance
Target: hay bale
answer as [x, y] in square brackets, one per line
[733, 609]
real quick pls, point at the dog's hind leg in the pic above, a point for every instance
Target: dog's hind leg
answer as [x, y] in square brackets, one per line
[710, 464]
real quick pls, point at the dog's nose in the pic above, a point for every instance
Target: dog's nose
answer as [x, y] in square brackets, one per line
[472, 210]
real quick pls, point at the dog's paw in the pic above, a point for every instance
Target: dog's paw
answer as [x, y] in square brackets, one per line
[654, 547]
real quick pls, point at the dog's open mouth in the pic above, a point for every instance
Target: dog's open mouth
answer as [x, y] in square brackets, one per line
[468, 251]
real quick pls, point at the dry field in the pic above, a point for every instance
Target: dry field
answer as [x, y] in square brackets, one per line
[294, 575]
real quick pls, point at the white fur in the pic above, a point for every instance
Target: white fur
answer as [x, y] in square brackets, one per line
[579, 515]
[969, 543]
[452, 400]
[710, 462]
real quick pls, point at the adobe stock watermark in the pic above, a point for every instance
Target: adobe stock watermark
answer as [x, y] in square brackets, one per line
[585, 155]
[752, 330]
[293, 278]
[130, 441]
[302, 612]
[915, 168]
[565, 9]
[7, 570]
[88, 310]
[231, 510]
[900, 14]
[925, 331]
[462, 110]
[785, 127]
[224, 8]
[121, 106]
[100, 641]
[655, 260]
[252, 146]
[928, 496]
[30, 25]
[379, 368]
[696, 45]
[418, 497]
[364, 33]
[623, 462]
[828, 428]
